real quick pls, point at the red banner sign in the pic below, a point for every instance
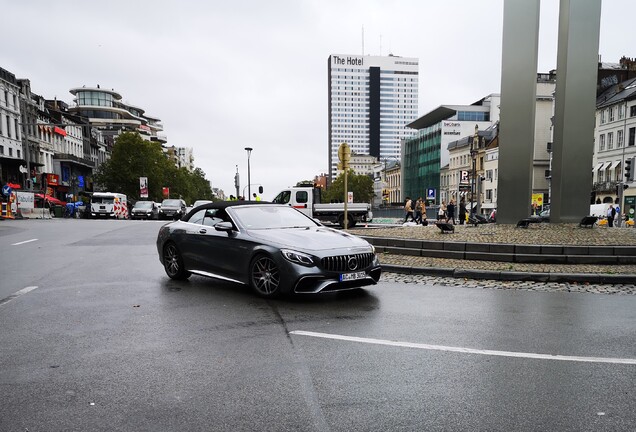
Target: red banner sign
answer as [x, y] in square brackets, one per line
[166, 192]
[53, 179]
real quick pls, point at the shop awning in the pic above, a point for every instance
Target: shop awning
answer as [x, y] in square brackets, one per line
[615, 164]
[598, 166]
[605, 166]
[59, 131]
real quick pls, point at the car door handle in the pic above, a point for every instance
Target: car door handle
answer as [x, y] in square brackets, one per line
[202, 231]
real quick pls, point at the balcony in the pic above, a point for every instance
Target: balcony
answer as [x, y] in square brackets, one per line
[65, 157]
[609, 186]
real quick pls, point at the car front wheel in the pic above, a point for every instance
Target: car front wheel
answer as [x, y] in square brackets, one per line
[173, 263]
[265, 276]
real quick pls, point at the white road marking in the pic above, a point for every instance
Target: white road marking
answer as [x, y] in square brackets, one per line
[26, 241]
[627, 361]
[17, 294]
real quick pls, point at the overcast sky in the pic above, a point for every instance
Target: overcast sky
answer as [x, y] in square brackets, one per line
[227, 75]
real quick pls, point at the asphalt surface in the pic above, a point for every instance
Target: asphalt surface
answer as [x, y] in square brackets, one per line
[103, 340]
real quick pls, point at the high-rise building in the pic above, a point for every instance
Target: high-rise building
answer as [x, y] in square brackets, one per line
[371, 100]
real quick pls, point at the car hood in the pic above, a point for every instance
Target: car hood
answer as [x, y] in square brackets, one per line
[310, 239]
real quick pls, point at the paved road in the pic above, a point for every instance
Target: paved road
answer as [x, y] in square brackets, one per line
[104, 341]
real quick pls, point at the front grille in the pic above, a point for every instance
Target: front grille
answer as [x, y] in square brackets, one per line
[347, 263]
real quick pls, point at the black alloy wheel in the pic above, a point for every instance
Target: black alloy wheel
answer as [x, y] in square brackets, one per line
[173, 263]
[265, 276]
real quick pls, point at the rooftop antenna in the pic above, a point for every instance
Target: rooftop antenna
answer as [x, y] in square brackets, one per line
[362, 40]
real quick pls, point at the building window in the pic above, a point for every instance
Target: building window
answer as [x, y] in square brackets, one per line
[611, 114]
[619, 139]
[610, 140]
[489, 194]
[601, 143]
[621, 111]
[1, 149]
[601, 176]
[10, 151]
[18, 151]
[632, 111]
[603, 116]
[632, 135]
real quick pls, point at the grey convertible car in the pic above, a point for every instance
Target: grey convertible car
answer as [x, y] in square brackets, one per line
[273, 248]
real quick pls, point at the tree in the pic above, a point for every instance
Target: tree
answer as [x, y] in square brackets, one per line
[134, 157]
[361, 185]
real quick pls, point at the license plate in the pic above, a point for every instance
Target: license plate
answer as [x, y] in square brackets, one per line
[352, 276]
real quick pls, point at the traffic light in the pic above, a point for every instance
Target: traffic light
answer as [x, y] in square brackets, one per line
[628, 170]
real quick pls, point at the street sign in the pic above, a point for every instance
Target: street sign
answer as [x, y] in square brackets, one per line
[344, 154]
[464, 177]
[6, 190]
[430, 193]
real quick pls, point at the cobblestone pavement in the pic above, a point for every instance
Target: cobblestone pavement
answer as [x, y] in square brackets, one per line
[623, 289]
[415, 261]
[536, 234]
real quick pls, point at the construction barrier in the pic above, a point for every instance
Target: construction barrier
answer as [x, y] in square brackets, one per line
[120, 209]
[5, 211]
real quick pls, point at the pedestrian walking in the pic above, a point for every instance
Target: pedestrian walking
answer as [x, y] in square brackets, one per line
[611, 213]
[441, 213]
[450, 212]
[462, 211]
[408, 210]
[418, 210]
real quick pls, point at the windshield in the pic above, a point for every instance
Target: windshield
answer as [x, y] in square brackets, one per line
[171, 203]
[200, 202]
[143, 204]
[268, 217]
[102, 200]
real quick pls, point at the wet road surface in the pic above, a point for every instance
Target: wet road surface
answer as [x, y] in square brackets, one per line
[96, 337]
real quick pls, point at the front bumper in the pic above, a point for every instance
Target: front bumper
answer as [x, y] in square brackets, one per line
[330, 282]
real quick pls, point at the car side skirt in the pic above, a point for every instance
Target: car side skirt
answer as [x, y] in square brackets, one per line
[215, 276]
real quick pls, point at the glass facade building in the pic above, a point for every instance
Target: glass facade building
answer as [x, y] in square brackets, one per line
[426, 152]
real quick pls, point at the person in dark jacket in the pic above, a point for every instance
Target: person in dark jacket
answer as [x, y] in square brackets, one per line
[462, 211]
[450, 211]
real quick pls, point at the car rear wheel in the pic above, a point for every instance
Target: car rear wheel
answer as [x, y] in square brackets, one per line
[265, 276]
[173, 263]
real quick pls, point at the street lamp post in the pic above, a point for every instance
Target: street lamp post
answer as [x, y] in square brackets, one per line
[249, 182]
[473, 154]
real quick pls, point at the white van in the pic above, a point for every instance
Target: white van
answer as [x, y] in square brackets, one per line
[109, 204]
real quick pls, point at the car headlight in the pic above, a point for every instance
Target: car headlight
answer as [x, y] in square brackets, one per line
[298, 257]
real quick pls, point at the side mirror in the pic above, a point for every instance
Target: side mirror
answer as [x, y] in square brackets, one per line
[224, 226]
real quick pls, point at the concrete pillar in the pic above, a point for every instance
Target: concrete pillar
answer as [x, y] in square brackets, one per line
[517, 115]
[573, 142]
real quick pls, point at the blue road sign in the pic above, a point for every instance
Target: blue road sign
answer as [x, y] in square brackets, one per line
[6, 190]
[430, 193]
